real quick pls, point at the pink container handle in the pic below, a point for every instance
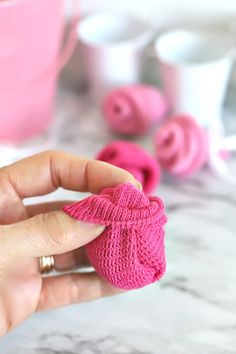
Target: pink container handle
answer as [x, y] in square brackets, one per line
[69, 47]
[63, 56]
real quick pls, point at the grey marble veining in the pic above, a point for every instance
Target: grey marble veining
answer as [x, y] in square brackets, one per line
[193, 309]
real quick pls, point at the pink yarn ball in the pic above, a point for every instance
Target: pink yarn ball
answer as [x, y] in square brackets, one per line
[181, 146]
[135, 160]
[133, 109]
[130, 253]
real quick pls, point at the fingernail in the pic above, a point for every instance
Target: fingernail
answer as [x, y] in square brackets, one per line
[138, 185]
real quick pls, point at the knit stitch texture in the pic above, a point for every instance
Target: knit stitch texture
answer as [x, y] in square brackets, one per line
[130, 253]
[135, 160]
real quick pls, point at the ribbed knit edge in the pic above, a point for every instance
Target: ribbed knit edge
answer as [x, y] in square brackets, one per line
[100, 211]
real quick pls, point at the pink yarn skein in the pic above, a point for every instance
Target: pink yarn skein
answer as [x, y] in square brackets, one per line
[133, 109]
[135, 160]
[130, 253]
[182, 146]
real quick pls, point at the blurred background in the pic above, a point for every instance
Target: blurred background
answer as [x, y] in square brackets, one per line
[120, 78]
[169, 12]
[161, 14]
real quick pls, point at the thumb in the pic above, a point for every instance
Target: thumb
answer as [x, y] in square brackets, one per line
[46, 234]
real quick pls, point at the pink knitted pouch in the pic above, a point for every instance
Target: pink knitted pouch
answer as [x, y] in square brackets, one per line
[130, 253]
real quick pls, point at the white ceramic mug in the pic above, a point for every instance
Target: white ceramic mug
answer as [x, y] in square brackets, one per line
[195, 67]
[112, 49]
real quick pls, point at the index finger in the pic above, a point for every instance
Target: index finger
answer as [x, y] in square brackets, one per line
[45, 172]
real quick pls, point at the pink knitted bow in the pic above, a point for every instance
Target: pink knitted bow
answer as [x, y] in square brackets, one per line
[130, 252]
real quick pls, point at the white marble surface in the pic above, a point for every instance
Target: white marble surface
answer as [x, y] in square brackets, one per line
[193, 309]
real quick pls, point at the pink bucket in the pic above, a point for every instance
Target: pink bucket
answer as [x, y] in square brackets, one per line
[30, 37]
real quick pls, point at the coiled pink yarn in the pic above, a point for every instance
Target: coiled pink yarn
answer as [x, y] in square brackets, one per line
[133, 109]
[135, 160]
[130, 253]
[181, 146]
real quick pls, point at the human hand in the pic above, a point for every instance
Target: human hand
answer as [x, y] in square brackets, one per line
[30, 232]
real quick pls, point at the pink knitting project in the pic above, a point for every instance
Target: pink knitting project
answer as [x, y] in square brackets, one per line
[182, 146]
[130, 252]
[133, 109]
[135, 160]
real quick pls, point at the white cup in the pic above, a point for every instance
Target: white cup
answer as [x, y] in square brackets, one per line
[195, 67]
[112, 49]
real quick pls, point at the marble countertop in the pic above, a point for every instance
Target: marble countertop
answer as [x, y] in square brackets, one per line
[193, 309]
